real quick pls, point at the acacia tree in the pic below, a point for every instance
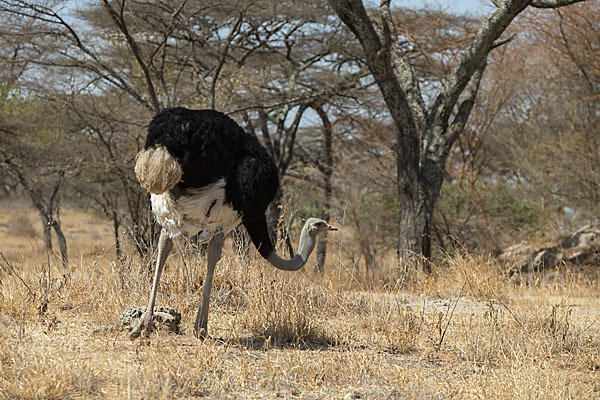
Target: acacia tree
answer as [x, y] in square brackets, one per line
[425, 130]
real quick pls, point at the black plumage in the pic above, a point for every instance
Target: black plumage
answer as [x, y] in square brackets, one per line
[210, 146]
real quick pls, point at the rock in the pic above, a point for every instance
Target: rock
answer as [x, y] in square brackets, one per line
[587, 236]
[544, 259]
[517, 256]
[164, 317]
[583, 246]
[517, 250]
[580, 248]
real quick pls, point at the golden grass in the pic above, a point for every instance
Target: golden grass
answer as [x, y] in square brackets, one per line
[466, 331]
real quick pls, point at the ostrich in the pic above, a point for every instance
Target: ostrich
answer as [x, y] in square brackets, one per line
[206, 176]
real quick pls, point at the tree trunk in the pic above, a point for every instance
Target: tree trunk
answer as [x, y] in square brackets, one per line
[47, 208]
[362, 245]
[116, 224]
[275, 231]
[49, 222]
[46, 231]
[321, 253]
[411, 223]
[322, 239]
[62, 242]
[327, 170]
[430, 184]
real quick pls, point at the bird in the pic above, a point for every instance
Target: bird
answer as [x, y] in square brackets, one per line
[206, 175]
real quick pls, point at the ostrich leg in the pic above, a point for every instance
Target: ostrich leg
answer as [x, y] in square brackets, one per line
[165, 245]
[214, 255]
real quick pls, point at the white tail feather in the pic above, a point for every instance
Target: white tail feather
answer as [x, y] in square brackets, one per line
[157, 170]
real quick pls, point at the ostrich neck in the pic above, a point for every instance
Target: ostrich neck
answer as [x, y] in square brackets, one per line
[305, 247]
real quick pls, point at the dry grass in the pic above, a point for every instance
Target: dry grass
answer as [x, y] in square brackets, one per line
[465, 331]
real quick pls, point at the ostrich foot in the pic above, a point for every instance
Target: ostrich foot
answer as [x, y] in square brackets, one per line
[138, 321]
[201, 333]
[145, 324]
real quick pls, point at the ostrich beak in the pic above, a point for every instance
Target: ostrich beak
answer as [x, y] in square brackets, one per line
[330, 228]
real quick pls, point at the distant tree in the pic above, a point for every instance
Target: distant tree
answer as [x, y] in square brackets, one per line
[35, 155]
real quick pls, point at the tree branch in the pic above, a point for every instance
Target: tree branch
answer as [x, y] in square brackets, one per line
[571, 54]
[119, 21]
[465, 107]
[489, 31]
[553, 3]
[502, 42]
[159, 72]
[263, 118]
[290, 137]
[541, 3]
[14, 171]
[404, 70]
[222, 56]
[47, 15]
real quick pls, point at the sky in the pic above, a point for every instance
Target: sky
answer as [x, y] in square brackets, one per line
[478, 7]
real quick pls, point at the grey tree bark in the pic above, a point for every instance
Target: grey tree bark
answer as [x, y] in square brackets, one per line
[425, 133]
[327, 169]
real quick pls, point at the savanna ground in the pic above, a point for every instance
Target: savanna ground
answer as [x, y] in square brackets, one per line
[466, 331]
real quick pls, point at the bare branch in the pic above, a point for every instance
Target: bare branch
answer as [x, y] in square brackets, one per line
[338, 89]
[221, 61]
[502, 42]
[94, 63]
[135, 50]
[553, 3]
[489, 31]
[570, 53]
[386, 22]
[404, 70]
[541, 3]
[354, 15]
[263, 118]
[290, 138]
[159, 72]
[464, 110]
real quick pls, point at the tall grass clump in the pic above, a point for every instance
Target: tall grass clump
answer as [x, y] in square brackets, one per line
[285, 311]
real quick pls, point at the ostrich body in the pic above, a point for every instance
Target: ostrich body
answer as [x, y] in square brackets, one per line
[206, 176]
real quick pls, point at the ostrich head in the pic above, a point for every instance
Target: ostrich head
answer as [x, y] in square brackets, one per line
[308, 240]
[314, 226]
